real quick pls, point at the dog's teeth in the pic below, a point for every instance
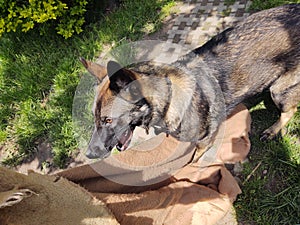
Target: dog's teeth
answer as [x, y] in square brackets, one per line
[143, 108]
[119, 148]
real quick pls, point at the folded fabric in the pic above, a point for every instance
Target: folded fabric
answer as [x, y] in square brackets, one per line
[138, 190]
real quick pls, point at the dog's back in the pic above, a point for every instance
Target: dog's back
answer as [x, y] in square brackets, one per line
[260, 53]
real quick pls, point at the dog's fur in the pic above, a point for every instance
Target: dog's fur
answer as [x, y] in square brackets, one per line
[189, 98]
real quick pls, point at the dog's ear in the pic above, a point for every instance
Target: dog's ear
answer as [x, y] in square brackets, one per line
[95, 69]
[119, 77]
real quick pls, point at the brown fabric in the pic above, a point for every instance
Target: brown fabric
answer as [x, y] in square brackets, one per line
[235, 140]
[178, 203]
[182, 202]
[201, 192]
[39, 199]
[134, 170]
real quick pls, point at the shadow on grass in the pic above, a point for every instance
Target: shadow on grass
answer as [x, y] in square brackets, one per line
[271, 193]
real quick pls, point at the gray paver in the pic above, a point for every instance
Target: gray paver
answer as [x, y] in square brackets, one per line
[199, 20]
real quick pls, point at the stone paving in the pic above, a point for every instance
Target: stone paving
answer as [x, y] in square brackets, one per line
[199, 20]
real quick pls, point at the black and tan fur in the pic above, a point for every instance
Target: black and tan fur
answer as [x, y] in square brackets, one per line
[186, 99]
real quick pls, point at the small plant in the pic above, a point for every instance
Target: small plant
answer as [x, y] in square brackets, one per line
[66, 16]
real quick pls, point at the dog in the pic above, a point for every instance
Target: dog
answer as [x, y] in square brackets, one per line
[190, 98]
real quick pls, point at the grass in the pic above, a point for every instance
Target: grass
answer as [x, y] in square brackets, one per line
[257, 5]
[39, 75]
[271, 194]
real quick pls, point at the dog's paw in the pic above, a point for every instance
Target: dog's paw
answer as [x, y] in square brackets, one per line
[267, 135]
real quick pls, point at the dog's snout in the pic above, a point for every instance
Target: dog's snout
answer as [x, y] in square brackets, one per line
[97, 153]
[91, 155]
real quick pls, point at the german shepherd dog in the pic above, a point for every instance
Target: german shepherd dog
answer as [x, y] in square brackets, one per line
[261, 53]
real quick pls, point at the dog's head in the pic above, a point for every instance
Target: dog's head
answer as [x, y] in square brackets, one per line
[119, 107]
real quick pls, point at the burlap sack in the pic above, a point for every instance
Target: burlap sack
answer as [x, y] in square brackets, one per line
[36, 199]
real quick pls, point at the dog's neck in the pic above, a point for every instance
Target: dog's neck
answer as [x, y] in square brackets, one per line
[178, 96]
[181, 97]
[184, 106]
[173, 105]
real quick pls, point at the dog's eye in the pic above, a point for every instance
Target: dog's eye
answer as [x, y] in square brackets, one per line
[108, 120]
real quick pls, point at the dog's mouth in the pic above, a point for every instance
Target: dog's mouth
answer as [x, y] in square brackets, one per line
[124, 139]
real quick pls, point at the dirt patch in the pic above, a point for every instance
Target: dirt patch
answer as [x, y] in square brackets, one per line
[40, 161]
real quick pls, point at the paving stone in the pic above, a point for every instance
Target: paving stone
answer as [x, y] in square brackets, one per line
[194, 25]
[176, 38]
[182, 25]
[240, 13]
[199, 20]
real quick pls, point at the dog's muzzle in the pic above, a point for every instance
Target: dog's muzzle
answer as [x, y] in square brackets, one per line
[97, 153]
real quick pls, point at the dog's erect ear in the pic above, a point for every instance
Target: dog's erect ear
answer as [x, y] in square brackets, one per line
[95, 69]
[119, 77]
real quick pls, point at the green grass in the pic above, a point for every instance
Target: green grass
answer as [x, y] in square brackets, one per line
[271, 194]
[266, 4]
[39, 75]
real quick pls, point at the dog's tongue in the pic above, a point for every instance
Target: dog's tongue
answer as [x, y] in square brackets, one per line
[124, 140]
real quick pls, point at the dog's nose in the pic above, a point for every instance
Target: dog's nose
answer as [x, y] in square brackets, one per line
[97, 153]
[91, 155]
